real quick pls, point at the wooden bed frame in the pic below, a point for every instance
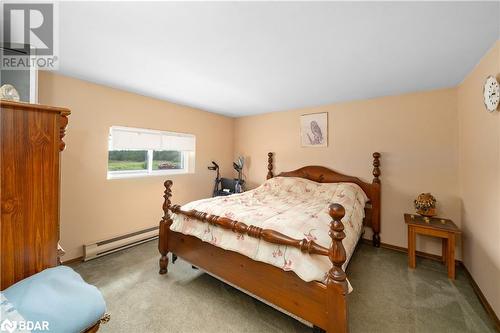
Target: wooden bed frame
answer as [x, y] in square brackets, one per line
[322, 304]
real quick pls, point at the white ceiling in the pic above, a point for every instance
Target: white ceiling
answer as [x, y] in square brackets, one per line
[238, 58]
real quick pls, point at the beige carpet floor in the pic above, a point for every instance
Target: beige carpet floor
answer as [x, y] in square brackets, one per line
[387, 297]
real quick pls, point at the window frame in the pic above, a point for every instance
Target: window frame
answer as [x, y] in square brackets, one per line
[149, 172]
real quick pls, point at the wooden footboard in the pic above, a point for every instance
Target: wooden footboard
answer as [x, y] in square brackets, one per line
[324, 309]
[269, 235]
[324, 305]
[164, 229]
[284, 289]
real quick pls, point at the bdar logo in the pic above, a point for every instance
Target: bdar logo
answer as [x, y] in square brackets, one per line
[8, 326]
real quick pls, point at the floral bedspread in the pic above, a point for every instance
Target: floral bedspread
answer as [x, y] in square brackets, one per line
[295, 207]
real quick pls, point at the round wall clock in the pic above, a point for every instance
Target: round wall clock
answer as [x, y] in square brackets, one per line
[491, 93]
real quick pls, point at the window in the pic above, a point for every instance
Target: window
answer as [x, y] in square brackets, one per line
[135, 152]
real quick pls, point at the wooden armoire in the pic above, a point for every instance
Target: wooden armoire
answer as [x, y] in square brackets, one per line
[31, 138]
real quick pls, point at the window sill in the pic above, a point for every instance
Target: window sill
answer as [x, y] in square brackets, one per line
[125, 175]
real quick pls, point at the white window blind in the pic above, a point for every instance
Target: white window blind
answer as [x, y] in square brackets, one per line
[128, 138]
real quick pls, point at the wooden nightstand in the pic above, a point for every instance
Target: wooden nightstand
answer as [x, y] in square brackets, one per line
[437, 227]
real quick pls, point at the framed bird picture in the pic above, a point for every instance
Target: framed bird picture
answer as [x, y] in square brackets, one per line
[314, 129]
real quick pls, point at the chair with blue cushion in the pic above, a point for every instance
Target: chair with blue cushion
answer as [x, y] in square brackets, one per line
[57, 297]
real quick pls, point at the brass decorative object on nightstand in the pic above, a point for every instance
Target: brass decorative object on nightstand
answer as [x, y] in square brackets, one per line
[425, 204]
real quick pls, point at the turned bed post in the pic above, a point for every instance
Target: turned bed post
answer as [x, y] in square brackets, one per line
[336, 281]
[165, 223]
[270, 165]
[375, 200]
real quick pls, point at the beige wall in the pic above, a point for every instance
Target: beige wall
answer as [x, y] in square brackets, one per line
[94, 208]
[479, 173]
[416, 134]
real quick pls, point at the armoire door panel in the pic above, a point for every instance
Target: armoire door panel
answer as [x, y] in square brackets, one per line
[30, 141]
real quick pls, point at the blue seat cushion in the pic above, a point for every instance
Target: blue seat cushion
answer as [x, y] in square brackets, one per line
[59, 296]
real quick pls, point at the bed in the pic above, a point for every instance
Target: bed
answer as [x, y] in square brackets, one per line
[286, 242]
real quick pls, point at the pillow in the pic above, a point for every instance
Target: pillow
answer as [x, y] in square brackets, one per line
[294, 185]
[326, 191]
[60, 297]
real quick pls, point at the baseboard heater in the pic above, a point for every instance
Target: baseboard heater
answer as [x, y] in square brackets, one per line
[101, 248]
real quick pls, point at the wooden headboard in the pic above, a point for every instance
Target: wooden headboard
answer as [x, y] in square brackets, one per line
[325, 175]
